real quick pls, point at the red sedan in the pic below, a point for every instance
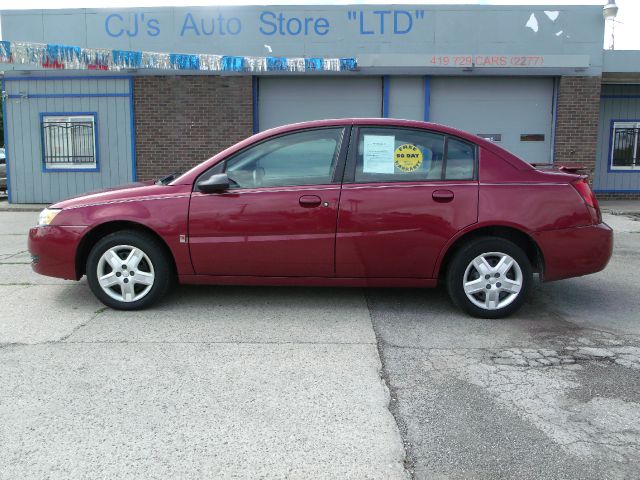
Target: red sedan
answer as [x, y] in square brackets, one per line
[353, 202]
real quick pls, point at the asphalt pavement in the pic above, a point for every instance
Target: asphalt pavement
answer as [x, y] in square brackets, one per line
[238, 382]
[550, 393]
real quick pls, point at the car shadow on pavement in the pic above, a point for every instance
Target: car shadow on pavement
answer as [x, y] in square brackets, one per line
[332, 314]
[546, 299]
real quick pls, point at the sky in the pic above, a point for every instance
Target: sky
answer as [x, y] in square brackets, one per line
[627, 31]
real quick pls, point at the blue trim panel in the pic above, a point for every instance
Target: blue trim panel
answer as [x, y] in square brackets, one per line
[610, 151]
[385, 96]
[254, 92]
[6, 140]
[66, 77]
[95, 135]
[427, 98]
[67, 170]
[554, 112]
[134, 172]
[619, 96]
[617, 191]
[66, 95]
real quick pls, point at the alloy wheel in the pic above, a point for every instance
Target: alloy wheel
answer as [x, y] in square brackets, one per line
[492, 280]
[125, 273]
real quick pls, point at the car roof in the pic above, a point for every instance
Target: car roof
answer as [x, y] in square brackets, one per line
[387, 122]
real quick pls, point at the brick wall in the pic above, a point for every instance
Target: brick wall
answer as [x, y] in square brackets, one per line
[182, 120]
[577, 121]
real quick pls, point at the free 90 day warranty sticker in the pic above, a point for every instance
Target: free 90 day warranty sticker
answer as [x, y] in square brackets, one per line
[408, 157]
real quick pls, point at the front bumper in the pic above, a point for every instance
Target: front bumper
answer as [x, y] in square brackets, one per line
[573, 252]
[53, 250]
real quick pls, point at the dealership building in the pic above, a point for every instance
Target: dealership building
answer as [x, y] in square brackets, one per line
[533, 79]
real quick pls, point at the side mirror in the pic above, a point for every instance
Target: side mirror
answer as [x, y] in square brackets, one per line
[215, 183]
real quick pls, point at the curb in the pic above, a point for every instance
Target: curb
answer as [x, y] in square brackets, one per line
[612, 211]
[8, 210]
[16, 207]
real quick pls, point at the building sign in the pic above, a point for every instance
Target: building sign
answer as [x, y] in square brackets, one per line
[473, 61]
[512, 61]
[463, 32]
[267, 23]
[486, 60]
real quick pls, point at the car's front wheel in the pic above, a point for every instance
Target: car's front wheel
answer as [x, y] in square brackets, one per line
[128, 270]
[489, 277]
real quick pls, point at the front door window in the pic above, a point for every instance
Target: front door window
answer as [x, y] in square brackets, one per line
[305, 158]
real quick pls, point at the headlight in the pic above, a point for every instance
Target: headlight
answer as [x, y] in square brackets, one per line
[47, 215]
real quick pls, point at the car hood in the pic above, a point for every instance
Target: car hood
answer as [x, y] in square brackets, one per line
[122, 192]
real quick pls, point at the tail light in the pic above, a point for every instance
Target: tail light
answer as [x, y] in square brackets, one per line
[583, 188]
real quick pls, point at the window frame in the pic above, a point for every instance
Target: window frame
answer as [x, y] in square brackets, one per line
[352, 157]
[336, 175]
[614, 123]
[95, 167]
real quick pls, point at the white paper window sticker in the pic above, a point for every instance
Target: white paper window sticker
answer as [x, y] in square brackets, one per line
[378, 154]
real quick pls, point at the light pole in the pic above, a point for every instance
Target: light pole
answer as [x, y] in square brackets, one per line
[609, 12]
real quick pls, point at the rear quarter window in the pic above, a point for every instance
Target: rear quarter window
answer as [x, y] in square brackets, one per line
[460, 164]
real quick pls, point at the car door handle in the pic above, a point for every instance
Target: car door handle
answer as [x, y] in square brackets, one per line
[310, 201]
[442, 195]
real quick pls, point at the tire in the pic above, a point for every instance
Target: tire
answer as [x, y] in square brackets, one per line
[143, 277]
[467, 281]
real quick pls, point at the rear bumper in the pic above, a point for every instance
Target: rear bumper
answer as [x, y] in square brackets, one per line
[53, 250]
[573, 252]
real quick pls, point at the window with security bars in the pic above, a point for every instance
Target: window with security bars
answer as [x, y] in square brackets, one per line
[625, 146]
[69, 141]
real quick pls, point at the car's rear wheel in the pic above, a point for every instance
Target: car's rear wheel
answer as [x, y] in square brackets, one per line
[129, 270]
[489, 277]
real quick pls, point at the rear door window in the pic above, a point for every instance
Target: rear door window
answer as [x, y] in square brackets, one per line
[398, 155]
[409, 155]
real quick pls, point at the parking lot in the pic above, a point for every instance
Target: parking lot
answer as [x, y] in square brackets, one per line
[239, 382]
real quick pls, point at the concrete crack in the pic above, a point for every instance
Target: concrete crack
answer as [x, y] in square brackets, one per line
[79, 326]
[408, 461]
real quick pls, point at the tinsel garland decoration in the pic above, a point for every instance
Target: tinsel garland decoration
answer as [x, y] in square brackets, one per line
[275, 64]
[126, 59]
[79, 58]
[5, 51]
[184, 62]
[233, 64]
